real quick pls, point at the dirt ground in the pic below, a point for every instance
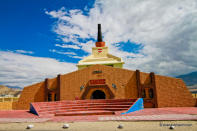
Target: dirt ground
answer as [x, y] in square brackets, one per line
[103, 126]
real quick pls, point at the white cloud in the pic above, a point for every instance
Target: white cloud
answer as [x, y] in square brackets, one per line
[22, 70]
[24, 52]
[62, 52]
[77, 57]
[69, 54]
[167, 30]
[68, 46]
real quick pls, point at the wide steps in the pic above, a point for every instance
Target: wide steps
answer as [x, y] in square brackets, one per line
[85, 101]
[88, 109]
[87, 104]
[84, 113]
[79, 107]
[84, 107]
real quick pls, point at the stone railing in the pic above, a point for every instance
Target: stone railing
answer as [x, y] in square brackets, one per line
[8, 99]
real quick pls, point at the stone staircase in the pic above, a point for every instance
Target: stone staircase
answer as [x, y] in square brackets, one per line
[81, 107]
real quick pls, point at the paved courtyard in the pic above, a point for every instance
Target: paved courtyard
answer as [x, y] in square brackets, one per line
[148, 114]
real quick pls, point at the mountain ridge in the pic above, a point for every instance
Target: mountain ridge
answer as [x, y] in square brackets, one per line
[190, 79]
[4, 90]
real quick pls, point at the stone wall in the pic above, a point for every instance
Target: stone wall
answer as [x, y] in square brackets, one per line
[5, 105]
[32, 93]
[71, 83]
[171, 92]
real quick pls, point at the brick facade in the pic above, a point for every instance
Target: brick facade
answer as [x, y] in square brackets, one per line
[6, 105]
[173, 93]
[119, 83]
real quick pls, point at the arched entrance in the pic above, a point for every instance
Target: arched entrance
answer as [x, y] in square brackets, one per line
[91, 92]
[98, 94]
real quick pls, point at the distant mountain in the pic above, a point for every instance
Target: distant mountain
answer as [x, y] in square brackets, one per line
[4, 90]
[14, 87]
[190, 79]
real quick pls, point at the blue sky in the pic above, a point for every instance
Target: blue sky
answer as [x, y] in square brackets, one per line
[40, 39]
[26, 26]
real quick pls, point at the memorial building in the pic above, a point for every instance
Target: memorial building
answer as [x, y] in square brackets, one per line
[102, 76]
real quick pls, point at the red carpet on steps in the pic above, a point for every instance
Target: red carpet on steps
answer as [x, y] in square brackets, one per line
[81, 107]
